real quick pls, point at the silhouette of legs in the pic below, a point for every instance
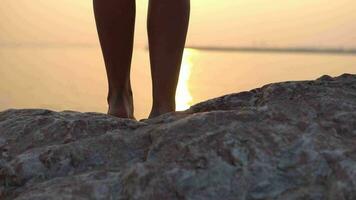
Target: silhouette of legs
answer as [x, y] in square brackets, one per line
[167, 26]
[115, 21]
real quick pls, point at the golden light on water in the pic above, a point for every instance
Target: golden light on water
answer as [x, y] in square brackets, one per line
[183, 97]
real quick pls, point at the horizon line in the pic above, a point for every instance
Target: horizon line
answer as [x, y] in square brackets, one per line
[255, 49]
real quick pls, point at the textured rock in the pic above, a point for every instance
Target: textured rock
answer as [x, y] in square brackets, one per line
[290, 140]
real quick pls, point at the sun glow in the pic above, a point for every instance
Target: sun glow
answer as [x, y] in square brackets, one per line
[183, 97]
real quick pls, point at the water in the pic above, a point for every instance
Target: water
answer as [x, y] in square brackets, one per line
[73, 78]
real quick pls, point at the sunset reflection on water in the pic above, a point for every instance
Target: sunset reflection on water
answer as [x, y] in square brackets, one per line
[184, 98]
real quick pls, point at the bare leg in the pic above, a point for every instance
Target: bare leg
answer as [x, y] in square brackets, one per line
[167, 29]
[115, 21]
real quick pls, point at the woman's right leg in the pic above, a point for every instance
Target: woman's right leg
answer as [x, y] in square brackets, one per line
[115, 20]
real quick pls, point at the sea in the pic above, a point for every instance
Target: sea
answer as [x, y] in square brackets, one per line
[73, 77]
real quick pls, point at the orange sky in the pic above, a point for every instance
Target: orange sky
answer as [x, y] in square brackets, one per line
[228, 22]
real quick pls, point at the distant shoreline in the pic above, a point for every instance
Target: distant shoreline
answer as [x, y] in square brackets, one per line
[278, 49]
[309, 50]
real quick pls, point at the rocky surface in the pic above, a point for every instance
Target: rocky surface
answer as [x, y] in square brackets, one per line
[290, 140]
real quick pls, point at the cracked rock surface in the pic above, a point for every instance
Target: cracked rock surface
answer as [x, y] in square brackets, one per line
[284, 141]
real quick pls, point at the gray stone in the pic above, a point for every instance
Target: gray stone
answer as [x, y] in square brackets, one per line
[285, 141]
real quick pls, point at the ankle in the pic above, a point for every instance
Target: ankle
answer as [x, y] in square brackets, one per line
[119, 95]
[121, 104]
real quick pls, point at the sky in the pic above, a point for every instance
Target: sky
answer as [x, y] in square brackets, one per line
[282, 23]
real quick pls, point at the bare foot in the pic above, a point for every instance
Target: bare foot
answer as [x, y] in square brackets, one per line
[121, 106]
[157, 111]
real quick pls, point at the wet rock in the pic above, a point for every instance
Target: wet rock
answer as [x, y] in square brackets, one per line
[290, 140]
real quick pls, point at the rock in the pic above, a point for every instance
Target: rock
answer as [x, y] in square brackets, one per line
[290, 140]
